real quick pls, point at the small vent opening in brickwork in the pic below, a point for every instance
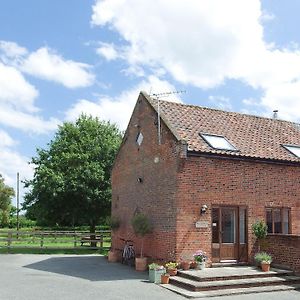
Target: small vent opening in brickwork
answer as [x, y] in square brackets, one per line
[139, 139]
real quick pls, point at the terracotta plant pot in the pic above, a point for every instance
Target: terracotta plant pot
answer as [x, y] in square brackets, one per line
[172, 272]
[265, 266]
[112, 256]
[165, 278]
[141, 263]
[193, 265]
[185, 265]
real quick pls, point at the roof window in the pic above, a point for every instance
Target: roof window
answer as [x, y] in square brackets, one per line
[217, 142]
[293, 149]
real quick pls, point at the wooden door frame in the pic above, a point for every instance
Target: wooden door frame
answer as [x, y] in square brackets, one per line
[237, 237]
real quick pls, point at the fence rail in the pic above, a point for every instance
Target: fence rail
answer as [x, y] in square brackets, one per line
[72, 240]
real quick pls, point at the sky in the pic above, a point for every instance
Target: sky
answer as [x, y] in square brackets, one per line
[61, 58]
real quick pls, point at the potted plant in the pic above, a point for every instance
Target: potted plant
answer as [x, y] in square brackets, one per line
[260, 230]
[264, 260]
[114, 225]
[171, 268]
[165, 278]
[185, 265]
[141, 227]
[200, 257]
[155, 272]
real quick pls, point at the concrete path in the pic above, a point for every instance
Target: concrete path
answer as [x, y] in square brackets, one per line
[72, 277]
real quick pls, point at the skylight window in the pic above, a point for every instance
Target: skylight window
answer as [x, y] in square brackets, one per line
[218, 142]
[293, 149]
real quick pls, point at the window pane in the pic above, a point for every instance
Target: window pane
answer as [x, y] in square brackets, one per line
[242, 226]
[285, 220]
[277, 221]
[294, 149]
[218, 142]
[269, 221]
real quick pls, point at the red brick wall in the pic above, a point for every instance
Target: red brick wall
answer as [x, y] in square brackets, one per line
[214, 181]
[285, 250]
[174, 189]
[155, 196]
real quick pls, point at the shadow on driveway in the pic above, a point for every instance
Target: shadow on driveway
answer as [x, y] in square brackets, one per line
[93, 268]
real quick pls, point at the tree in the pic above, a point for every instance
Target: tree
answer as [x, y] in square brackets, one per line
[71, 183]
[6, 193]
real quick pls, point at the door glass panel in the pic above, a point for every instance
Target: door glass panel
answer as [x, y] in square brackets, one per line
[285, 220]
[215, 225]
[228, 225]
[277, 221]
[269, 220]
[242, 226]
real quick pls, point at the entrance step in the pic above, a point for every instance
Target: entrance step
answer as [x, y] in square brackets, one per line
[198, 286]
[211, 274]
[227, 292]
[230, 281]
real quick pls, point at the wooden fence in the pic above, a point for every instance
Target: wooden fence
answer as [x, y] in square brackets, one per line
[12, 239]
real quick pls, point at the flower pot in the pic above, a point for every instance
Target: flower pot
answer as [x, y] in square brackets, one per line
[172, 271]
[185, 265]
[155, 275]
[193, 265]
[112, 256]
[200, 265]
[165, 278]
[141, 263]
[265, 266]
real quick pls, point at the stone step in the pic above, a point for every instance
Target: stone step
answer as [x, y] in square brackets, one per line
[197, 286]
[234, 291]
[227, 273]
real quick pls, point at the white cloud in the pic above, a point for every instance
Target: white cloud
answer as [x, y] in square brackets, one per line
[203, 43]
[5, 139]
[108, 51]
[27, 122]
[221, 102]
[12, 49]
[119, 109]
[15, 90]
[12, 162]
[46, 64]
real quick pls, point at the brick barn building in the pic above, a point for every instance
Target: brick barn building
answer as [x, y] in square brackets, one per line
[203, 177]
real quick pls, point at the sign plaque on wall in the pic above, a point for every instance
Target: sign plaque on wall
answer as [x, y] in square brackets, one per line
[202, 224]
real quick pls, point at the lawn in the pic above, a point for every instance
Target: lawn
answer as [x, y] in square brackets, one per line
[37, 241]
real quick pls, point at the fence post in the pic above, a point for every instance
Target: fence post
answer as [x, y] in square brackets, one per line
[42, 239]
[101, 241]
[75, 239]
[9, 239]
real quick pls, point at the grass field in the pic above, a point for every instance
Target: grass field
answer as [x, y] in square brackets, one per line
[46, 242]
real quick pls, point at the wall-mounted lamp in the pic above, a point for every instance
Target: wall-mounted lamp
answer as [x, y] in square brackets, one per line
[203, 209]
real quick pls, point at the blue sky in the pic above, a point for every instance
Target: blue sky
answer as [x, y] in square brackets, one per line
[59, 58]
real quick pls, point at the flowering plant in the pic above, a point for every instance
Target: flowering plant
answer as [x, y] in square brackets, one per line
[156, 267]
[200, 256]
[171, 265]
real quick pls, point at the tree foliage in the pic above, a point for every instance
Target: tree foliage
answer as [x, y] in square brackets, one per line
[71, 183]
[6, 193]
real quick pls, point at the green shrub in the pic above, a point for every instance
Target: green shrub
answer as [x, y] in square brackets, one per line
[263, 257]
[260, 229]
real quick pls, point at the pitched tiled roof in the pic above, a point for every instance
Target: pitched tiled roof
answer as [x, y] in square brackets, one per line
[253, 136]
